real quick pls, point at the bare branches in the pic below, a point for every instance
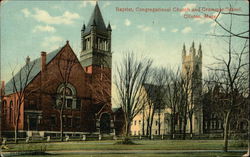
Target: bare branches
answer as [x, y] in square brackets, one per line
[132, 75]
[229, 30]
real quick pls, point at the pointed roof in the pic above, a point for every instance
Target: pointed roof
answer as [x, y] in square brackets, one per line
[96, 20]
[109, 27]
[33, 73]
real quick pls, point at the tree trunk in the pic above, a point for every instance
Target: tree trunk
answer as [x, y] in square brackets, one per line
[191, 126]
[16, 133]
[128, 128]
[226, 128]
[16, 123]
[61, 126]
[159, 123]
[184, 125]
[143, 123]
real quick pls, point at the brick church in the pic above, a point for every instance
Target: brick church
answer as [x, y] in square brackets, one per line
[58, 85]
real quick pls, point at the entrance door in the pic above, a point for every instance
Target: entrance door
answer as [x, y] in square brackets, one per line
[33, 123]
[105, 123]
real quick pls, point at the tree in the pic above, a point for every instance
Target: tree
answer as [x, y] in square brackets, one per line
[233, 77]
[173, 91]
[19, 83]
[242, 34]
[65, 63]
[132, 73]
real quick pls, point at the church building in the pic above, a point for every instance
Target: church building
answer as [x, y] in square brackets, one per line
[58, 86]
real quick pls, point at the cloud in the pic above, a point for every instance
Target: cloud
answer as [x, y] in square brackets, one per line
[85, 3]
[51, 43]
[113, 27]
[56, 7]
[174, 30]
[186, 30]
[163, 29]
[144, 28]
[45, 17]
[127, 22]
[46, 28]
[26, 12]
[189, 6]
[106, 4]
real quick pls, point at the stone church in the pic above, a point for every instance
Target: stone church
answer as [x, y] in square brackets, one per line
[192, 76]
[58, 86]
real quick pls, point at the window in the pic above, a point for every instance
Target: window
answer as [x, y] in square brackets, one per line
[135, 122]
[67, 97]
[139, 122]
[156, 132]
[156, 123]
[4, 107]
[53, 120]
[10, 111]
[64, 120]
[69, 121]
[206, 125]
[139, 133]
[77, 122]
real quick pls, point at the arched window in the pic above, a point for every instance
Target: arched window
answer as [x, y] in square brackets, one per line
[10, 111]
[66, 96]
[4, 107]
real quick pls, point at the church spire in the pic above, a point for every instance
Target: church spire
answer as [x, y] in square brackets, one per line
[96, 20]
[184, 50]
[192, 49]
[109, 27]
[200, 51]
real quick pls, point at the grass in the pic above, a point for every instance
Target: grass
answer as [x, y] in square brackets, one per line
[151, 155]
[141, 145]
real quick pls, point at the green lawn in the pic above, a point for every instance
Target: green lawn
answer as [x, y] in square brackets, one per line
[152, 155]
[141, 145]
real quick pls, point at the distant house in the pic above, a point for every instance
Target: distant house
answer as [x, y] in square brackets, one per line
[85, 83]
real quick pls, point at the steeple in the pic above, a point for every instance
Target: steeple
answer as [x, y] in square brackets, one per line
[200, 51]
[192, 49]
[96, 20]
[96, 42]
[184, 50]
[109, 27]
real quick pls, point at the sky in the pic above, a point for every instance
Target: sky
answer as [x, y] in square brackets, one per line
[29, 27]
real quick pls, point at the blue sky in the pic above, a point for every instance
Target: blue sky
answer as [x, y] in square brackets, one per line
[29, 27]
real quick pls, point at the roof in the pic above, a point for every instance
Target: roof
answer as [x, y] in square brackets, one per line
[151, 91]
[96, 20]
[21, 75]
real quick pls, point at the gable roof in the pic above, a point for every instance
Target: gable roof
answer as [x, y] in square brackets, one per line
[21, 76]
[96, 20]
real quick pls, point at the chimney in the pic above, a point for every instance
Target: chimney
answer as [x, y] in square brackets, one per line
[2, 88]
[43, 61]
[27, 60]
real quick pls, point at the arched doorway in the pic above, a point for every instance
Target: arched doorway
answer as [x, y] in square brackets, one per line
[105, 123]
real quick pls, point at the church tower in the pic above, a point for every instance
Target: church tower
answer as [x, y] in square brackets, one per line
[96, 57]
[192, 72]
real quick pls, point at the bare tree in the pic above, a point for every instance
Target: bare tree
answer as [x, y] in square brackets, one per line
[186, 98]
[65, 63]
[19, 83]
[132, 73]
[242, 34]
[232, 70]
[173, 91]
